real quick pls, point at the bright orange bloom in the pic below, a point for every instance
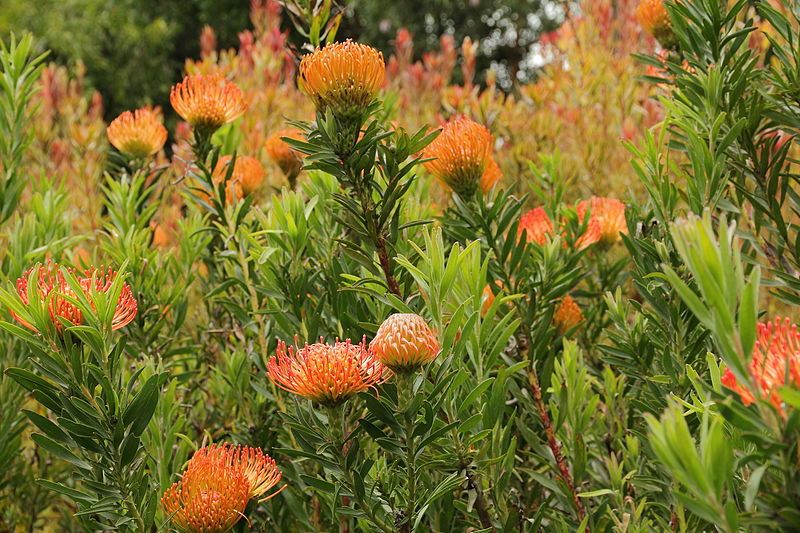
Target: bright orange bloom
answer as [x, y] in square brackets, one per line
[491, 175]
[53, 289]
[567, 315]
[207, 101]
[405, 342]
[328, 374]
[139, 133]
[290, 161]
[653, 17]
[260, 470]
[606, 220]
[775, 363]
[214, 490]
[248, 173]
[460, 155]
[343, 76]
[537, 226]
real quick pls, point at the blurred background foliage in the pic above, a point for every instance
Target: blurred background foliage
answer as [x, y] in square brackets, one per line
[133, 50]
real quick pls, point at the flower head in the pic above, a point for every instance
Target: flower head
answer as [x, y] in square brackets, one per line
[775, 362]
[138, 133]
[100, 280]
[653, 17]
[405, 342]
[247, 176]
[344, 77]
[289, 160]
[537, 226]
[214, 490]
[568, 314]
[51, 287]
[260, 470]
[328, 374]
[208, 101]
[606, 220]
[460, 155]
[53, 290]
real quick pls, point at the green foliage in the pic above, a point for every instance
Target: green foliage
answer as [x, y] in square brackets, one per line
[20, 70]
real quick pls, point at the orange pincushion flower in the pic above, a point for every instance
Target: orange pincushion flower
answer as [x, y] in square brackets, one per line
[343, 76]
[775, 362]
[218, 482]
[139, 133]
[460, 155]
[606, 220]
[290, 161]
[100, 280]
[328, 374]
[248, 173]
[52, 288]
[568, 314]
[491, 175]
[404, 342]
[653, 17]
[537, 226]
[207, 101]
[259, 468]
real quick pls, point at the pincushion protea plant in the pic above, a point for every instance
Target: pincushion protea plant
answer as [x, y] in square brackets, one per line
[344, 77]
[138, 133]
[653, 17]
[216, 486]
[404, 342]
[536, 225]
[53, 290]
[290, 161]
[460, 156]
[328, 374]
[207, 101]
[775, 363]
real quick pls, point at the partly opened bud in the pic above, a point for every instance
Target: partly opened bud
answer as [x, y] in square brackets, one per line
[290, 161]
[655, 20]
[404, 342]
[568, 314]
[775, 363]
[207, 102]
[344, 77]
[328, 374]
[460, 156]
[138, 133]
[214, 490]
[537, 226]
[246, 178]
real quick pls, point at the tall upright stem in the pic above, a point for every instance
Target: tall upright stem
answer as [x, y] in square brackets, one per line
[552, 441]
[406, 384]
